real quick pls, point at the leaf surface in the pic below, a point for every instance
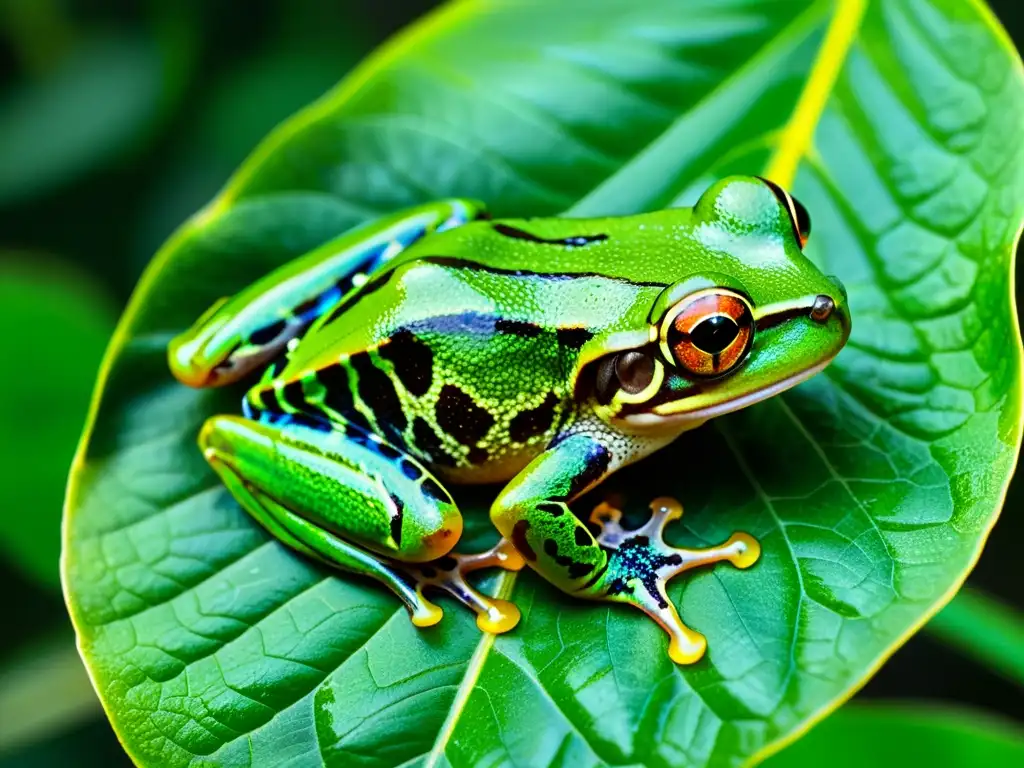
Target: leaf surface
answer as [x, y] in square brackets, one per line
[902, 733]
[871, 488]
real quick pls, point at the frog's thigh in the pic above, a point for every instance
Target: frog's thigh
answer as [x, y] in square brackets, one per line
[532, 512]
[343, 483]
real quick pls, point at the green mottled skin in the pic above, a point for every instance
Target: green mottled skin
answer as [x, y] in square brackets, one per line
[482, 353]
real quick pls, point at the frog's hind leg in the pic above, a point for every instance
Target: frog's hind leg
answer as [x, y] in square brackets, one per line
[354, 501]
[304, 537]
[641, 564]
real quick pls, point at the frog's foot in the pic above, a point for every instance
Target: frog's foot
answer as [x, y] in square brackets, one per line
[641, 564]
[448, 573]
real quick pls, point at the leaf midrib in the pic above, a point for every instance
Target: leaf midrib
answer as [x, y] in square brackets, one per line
[797, 27]
[505, 582]
[799, 131]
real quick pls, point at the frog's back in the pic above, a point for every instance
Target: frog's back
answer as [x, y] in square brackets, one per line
[469, 364]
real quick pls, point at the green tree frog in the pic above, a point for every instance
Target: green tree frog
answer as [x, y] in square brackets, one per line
[439, 346]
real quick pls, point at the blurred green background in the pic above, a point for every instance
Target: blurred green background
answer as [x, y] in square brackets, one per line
[118, 119]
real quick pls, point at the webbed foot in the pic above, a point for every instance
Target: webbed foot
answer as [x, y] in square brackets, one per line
[448, 573]
[641, 564]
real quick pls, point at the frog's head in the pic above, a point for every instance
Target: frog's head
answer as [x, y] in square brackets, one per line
[750, 317]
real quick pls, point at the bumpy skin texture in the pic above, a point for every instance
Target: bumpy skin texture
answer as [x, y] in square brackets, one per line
[439, 346]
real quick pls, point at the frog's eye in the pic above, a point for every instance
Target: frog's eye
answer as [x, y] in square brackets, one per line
[708, 333]
[798, 215]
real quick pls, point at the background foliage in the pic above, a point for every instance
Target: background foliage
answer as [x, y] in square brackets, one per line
[177, 94]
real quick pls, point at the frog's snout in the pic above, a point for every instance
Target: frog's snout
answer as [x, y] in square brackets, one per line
[825, 307]
[841, 287]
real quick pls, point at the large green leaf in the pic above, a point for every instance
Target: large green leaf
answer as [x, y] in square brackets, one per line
[871, 488]
[893, 735]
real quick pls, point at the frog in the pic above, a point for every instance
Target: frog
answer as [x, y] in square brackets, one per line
[439, 346]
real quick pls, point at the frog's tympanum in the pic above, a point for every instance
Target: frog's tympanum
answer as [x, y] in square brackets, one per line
[438, 346]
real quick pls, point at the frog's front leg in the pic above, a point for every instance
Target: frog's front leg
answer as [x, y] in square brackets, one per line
[348, 498]
[238, 335]
[619, 564]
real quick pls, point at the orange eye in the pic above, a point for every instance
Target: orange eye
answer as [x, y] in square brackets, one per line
[710, 332]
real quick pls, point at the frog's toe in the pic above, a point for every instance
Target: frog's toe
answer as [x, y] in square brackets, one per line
[641, 563]
[688, 648]
[664, 510]
[606, 525]
[501, 616]
[448, 573]
[746, 547]
[424, 613]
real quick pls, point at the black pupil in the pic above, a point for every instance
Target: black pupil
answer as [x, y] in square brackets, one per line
[714, 334]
